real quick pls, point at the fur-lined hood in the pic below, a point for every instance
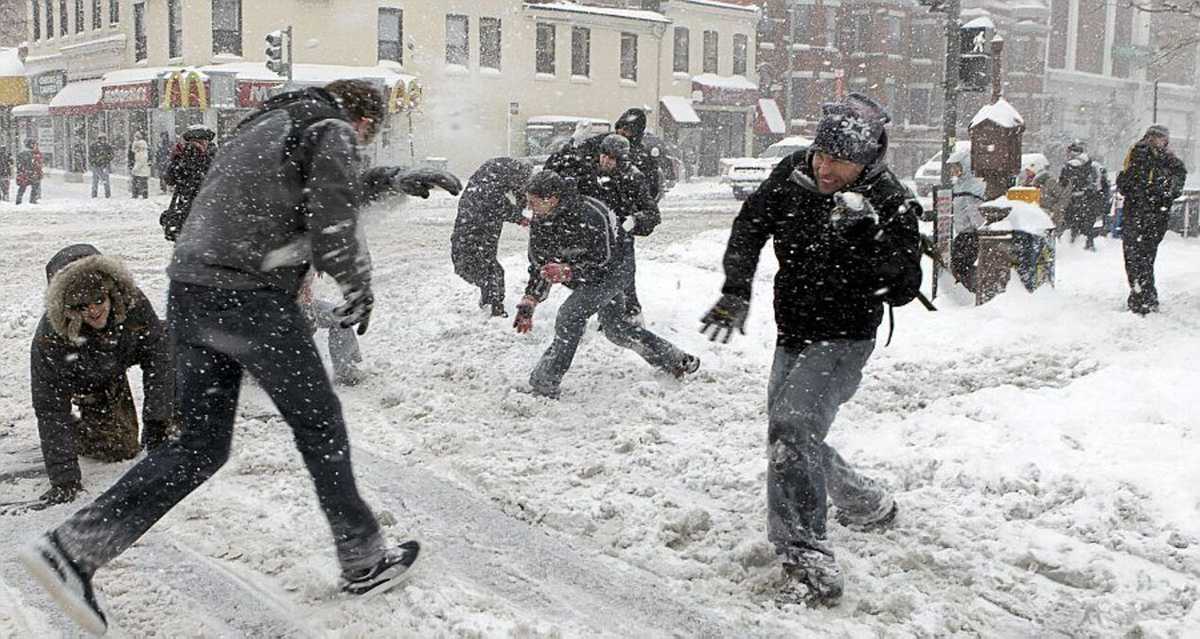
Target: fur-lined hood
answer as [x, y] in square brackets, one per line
[112, 275]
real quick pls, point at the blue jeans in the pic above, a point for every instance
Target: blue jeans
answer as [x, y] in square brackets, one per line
[101, 174]
[806, 389]
[218, 334]
[607, 299]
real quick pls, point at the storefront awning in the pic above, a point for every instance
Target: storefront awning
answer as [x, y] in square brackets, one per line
[770, 118]
[726, 90]
[14, 89]
[256, 82]
[31, 111]
[680, 109]
[77, 98]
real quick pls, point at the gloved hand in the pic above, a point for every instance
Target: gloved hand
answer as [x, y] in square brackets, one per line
[61, 493]
[853, 215]
[556, 272]
[728, 313]
[419, 181]
[524, 321]
[356, 310]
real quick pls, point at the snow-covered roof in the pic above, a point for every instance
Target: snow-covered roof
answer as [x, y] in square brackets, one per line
[137, 75]
[723, 5]
[1022, 216]
[10, 63]
[628, 14]
[1001, 112]
[78, 94]
[31, 111]
[680, 109]
[559, 119]
[737, 82]
[309, 73]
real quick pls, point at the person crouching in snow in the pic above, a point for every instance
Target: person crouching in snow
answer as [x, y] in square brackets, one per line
[97, 325]
[576, 241]
[845, 234]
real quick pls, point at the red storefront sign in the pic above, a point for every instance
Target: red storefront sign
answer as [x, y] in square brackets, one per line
[127, 96]
[252, 94]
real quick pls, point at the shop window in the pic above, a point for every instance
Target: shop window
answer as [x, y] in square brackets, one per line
[545, 48]
[682, 62]
[227, 27]
[391, 35]
[712, 55]
[139, 31]
[581, 52]
[489, 43]
[629, 56]
[741, 53]
[458, 40]
[174, 29]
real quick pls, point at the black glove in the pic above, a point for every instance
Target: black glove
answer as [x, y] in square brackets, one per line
[419, 181]
[61, 493]
[356, 310]
[729, 313]
[853, 216]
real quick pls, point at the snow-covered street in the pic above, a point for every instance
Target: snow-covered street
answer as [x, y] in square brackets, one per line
[1043, 450]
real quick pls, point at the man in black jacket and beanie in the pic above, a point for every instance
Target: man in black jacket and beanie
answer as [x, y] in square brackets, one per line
[577, 241]
[495, 194]
[845, 234]
[1152, 179]
[97, 325]
[282, 197]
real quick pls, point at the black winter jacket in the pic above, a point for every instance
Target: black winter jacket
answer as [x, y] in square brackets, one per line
[830, 285]
[100, 155]
[583, 233]
[1151, 181]
[627, 192]
[69, 359]
[495, 194]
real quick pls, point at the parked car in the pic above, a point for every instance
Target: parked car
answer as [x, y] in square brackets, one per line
[744, 175]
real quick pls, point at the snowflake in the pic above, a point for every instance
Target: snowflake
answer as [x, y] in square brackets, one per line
[857, 128]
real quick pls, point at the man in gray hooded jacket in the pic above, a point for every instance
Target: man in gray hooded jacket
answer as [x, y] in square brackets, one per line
[282, 195]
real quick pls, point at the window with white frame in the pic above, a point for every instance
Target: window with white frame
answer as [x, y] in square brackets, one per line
[581, 52]
[80, 16]
[140, 51]
[545, 48]
[64, 23]
[35, 16]
[97, 13]
[489, 43]
[918, 106]
[682, 58]
[114, 12]
[629, 56]
[391, 34]
[49, 18]
[227, 27]
[458, 39]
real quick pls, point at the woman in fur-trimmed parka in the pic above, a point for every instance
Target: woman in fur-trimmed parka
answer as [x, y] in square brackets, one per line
[96, 326]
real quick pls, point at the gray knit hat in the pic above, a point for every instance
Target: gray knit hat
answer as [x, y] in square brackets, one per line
[852, 129]
[615, 146]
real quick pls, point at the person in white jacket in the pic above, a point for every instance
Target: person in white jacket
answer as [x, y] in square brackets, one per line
[968, 192]
[139, 166]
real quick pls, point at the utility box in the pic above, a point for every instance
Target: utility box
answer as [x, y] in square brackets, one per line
[996, 145]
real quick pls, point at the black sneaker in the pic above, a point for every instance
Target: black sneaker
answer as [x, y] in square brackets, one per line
[64, 582]
[881, 519]
[497, 309]
[386, 574]
[686, 366]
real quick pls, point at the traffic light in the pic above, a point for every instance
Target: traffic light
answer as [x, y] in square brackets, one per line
[975, 66]
[934, 5]
[279, 54]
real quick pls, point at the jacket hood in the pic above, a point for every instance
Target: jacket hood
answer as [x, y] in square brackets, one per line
[66, 256]
[83, 275]
[634, 119]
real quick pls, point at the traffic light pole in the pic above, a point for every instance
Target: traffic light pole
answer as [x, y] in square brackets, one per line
[290, 60]
[953, 59]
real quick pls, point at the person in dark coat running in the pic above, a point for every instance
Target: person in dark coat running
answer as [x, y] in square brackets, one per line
[576, 241]
[97, 325]
[190, 162]
[1151, 181]
[283, 197]
[845, 234]
[495, 194]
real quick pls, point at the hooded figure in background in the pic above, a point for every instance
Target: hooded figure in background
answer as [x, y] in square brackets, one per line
[495, 194]
[968, 193]
[1087, 183]
[96, 326]
[644, 152]
[189, 164]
